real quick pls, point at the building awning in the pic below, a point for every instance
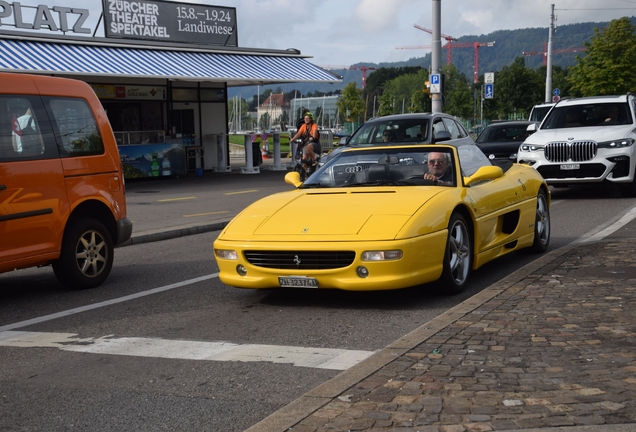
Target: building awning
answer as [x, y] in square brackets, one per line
[42, 57]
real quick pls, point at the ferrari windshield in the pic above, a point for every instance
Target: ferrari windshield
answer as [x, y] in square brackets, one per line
[381, 166]
[404, 130]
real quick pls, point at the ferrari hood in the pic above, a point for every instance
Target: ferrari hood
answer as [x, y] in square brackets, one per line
[343, 214]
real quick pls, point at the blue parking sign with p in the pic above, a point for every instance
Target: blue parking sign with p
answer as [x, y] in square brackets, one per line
[435, 83]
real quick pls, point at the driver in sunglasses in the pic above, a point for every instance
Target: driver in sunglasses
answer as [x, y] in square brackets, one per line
[438, 168]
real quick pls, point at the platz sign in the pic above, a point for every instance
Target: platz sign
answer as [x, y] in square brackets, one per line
[56, 19]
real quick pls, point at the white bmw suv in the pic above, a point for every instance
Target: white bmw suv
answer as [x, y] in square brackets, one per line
[586, 140]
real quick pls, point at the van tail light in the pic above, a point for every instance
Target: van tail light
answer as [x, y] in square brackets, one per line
[123, 180]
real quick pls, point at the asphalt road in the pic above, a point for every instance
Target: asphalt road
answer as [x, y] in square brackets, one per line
[166, 291]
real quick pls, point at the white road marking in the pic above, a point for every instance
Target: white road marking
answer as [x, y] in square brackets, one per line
[104, 303]
[589, 237]
[320, 358]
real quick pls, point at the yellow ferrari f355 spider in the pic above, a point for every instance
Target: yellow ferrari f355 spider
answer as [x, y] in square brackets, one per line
[388, 217]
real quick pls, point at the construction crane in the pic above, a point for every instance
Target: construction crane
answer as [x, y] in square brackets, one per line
[364, 70]
[475, 45]
[449, 40]
[414, 47]
[544, 53]
[450, 44]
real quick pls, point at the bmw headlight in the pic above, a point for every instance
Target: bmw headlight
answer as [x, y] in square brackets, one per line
[530, 148]
[620, 143]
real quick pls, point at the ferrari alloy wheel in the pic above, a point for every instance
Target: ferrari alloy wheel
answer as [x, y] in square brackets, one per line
[87, 254]
[541, 225]
[458, 258]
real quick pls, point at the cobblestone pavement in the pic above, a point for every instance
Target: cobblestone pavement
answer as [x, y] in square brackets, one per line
[554, 348]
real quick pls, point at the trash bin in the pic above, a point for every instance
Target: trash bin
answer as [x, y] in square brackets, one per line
[257, 156]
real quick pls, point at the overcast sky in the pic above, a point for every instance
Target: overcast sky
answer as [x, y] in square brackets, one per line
[345, 32]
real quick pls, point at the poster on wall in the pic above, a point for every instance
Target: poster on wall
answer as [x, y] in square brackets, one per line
[153, 160]
[138, 92]
[170, 21]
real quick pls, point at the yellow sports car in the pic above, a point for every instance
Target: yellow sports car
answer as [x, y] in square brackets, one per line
[388, 217]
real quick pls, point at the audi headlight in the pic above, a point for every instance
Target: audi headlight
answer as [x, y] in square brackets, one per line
[530, 148]
[620, 143]
[389, 255]
[226, 254]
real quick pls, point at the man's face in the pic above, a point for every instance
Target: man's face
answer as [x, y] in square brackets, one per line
[437, 164]
[307, 119]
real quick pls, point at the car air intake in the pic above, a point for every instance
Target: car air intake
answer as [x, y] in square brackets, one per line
[578, 151]
[305, 260]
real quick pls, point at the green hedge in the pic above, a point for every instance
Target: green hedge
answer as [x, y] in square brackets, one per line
[284, 142]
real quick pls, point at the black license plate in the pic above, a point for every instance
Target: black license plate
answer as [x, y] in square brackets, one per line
[297, 282]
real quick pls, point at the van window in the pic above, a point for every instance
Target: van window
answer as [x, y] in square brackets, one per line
[76, 126]
[20, 128]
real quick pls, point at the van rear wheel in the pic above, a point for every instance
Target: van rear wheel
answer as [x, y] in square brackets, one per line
[87, 254]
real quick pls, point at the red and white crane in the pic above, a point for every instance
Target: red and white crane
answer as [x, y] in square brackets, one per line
[475, 45]
[364, 70]
[544, 53]
[449, 40]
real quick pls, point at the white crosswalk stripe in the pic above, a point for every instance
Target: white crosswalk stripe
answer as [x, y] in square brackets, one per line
[320, 358]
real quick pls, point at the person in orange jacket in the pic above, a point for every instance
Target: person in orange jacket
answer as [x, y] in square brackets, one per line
[310, 136]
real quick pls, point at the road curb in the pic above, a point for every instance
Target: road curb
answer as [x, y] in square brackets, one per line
[160, 235]
[313, 400]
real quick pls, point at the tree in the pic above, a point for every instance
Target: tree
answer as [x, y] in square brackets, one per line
[405, 94]
[517, 89]
[264, 121]
[351, 103]
[608, 62]
[560, 81]
[376, 80]
[458, 93]
[386, 104]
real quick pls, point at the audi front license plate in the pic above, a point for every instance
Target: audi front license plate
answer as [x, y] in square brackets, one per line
[297, 282]
[566, 167]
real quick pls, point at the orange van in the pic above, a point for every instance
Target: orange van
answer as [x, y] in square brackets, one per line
[62, 194]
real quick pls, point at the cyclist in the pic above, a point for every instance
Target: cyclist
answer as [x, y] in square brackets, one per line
[310, 136]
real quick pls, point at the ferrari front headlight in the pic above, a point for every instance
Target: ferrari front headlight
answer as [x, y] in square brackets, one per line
[226, 254]
[389, 255]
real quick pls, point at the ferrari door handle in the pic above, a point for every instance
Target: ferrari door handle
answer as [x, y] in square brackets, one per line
[2, 187]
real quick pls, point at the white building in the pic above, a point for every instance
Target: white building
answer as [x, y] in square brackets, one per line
[274, 111]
